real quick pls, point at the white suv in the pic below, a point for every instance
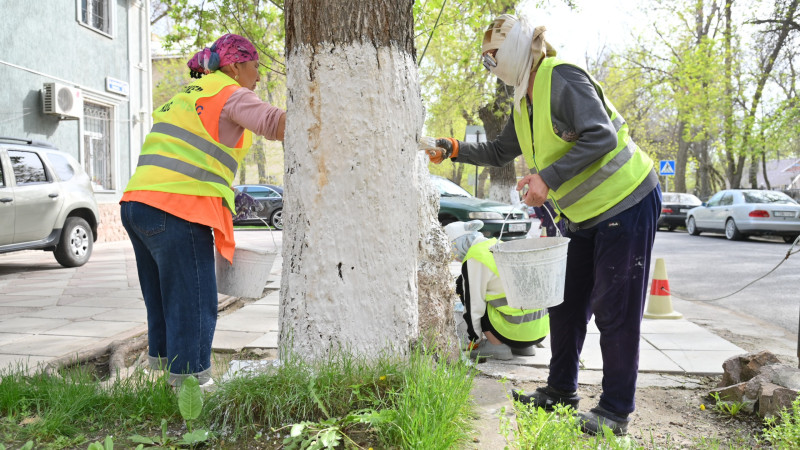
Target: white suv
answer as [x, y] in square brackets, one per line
[46, 202]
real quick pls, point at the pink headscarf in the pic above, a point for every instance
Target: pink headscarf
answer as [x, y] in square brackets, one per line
[228, 49]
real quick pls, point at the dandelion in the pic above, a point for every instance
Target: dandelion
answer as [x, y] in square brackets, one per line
[382, 378]
[702, 407]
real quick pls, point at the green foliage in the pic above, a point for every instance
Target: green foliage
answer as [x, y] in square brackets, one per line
[107, 444]
[190, 399]
[783, 432]
[418, 402]
[727, 408]
[190, 405]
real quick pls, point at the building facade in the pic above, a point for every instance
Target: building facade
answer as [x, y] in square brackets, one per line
[77, 75]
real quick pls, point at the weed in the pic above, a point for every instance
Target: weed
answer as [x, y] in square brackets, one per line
[728, 408]
[190, 404]
[784, 431]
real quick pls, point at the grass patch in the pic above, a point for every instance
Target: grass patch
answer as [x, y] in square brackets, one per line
[252, 227]
[392, 402]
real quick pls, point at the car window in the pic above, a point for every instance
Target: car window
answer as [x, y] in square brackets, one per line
[449, 189]
[61, 166]
[768, 197]
[727, 199]
[262, 192]
[689, 199]
[28, 167]
[2, 176]
[670, 198]
[714, 201]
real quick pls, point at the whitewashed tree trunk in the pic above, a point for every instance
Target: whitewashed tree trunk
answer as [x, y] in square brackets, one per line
[437, 295]
[351, 224]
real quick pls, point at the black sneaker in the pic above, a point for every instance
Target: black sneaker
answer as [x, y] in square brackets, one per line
[547, 398]
[593, 422]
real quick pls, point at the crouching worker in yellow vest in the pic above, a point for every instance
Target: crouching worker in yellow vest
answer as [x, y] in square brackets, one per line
[508, 331]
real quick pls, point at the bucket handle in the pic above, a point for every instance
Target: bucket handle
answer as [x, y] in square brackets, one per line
[505, 220]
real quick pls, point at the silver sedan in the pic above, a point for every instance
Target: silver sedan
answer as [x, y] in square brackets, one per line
[740, 213]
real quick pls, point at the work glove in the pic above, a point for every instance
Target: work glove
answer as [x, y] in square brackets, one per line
[449, 149]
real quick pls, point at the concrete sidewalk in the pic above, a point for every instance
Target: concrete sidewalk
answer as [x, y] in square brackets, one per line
[49, 313]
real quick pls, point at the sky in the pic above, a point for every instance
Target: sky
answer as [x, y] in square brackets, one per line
[593, 25]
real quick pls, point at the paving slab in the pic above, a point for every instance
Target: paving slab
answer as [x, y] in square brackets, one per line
[69, 312]
[93, 328]
[267, 340]
[233, 341]
[31, 325]
[27, 364]
[49, 345]
[254, 318]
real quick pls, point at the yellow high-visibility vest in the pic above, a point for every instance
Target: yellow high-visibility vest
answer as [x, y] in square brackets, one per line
[179, 156]
[524, 325]
[602, 184]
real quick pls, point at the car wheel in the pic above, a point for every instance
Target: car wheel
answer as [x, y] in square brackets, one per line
[789, 239]
[731, 232]
[671, 228]
[691, 227]
[75, 246]
[276, 219]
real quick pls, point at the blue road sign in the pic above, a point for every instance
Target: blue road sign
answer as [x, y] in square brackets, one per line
[667, 167]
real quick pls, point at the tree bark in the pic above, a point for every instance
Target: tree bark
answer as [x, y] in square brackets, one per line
[681, 159]
[351, 238]
[494, 117]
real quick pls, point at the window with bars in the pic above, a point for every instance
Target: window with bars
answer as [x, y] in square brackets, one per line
[98, 152]
[96, 14]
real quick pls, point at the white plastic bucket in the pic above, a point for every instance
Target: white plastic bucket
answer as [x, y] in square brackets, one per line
[532, 271]
[249, 273]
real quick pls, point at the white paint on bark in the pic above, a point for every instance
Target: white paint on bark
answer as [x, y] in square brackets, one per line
[351, 209]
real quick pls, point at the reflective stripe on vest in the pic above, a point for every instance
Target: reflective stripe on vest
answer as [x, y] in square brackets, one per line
[524, 325]
[197, 142]
[601, 185]
[180, 156]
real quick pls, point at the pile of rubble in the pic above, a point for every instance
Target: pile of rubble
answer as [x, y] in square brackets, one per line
[760, 382]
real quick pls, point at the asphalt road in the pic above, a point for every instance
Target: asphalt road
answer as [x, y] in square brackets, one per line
[709, 268]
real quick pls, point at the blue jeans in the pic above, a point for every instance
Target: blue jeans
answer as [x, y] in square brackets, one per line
[175, 260]
[607, 270]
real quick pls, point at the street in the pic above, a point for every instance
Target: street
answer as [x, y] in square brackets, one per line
[707, 267]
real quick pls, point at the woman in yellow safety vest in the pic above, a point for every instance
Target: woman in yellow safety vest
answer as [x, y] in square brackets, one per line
[178, 204]
[509, 331]
[583, 160]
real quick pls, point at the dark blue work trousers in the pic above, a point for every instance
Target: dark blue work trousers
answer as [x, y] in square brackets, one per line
[607, 271]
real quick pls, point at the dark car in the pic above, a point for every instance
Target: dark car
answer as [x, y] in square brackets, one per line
[271, 198]
[674, 207]
[456, 204]
[740, 213]
[46, 202]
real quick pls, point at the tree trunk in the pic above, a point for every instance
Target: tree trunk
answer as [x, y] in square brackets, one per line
[494, 117]
[261, 160]
[351, 240]
[681, 159]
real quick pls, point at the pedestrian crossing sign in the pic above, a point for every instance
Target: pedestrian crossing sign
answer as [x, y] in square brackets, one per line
[667, 167]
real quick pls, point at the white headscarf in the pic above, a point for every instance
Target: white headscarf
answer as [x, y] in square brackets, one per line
[462, 235]
[520, 47]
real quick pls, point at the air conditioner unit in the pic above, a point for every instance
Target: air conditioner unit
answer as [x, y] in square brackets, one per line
[61, 100]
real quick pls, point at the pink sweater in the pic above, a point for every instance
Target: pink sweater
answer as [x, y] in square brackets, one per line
[244, 110]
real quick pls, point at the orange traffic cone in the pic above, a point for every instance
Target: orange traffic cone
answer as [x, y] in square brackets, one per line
[659, 305]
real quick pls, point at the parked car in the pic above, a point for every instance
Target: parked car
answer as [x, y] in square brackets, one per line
[456, 204]
[46, 202]
[271, 198]
[674, 207]
[740, 213]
